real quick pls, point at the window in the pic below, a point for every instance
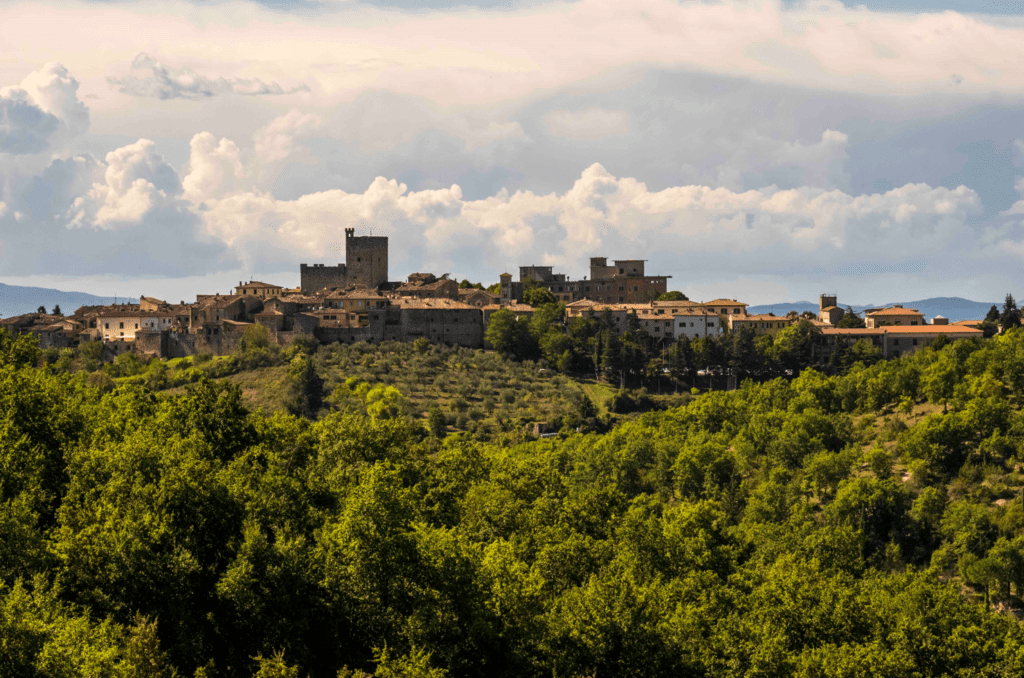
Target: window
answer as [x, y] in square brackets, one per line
[895, 342]
[915, 342]
[913, 322]
[636, 288]
[106, 326]
[136, 325]
[621, 271]
[622, 288]
[621, 299]
[122, 327]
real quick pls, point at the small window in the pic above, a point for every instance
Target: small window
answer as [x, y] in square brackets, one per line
[136, 325]
[915, 342]
[106, 326]
[621, 299]
[122, 327]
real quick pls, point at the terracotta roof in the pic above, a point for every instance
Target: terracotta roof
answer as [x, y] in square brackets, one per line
[135, 313]
[760, 318]
[258, 284]
[723, 302]
[357, 293]
[910, 329]
[968, 323]
[932, 329]
[894, 310]
[517, 308]
[434, 303]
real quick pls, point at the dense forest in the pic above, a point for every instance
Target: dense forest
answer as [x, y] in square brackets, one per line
[866, 522]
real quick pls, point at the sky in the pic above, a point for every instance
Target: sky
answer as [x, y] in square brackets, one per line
[763, 150]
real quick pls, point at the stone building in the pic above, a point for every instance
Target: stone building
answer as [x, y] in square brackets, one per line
[428, 286]
[366, 265]
[123, 325]
[894, 315]
[478, 298]
[258, 289]
[695, 324]
[624, 282]
[438, 320]
[761, 324]
[895, 341]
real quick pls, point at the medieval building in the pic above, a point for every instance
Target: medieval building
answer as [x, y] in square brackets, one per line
[366, 265]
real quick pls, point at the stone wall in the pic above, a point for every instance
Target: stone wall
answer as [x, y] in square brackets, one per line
[316, 277]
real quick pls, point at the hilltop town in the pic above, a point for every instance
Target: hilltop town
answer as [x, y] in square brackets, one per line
[356, 301]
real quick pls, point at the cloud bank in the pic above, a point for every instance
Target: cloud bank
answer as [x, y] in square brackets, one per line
[164, 82]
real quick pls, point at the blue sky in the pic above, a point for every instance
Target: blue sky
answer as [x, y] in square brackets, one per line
[753, 149]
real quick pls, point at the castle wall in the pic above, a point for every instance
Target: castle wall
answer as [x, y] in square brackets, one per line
[314, 278]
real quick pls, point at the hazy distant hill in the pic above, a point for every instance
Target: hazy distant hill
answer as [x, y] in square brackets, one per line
[15, 300]
[954, 308]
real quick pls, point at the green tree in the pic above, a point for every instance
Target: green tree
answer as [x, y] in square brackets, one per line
[993, 314]
[535, 295]
[1010, 317]
[674, 295]
[56, 310]
[305, 387]
[510, 335]
[437, 424]
[850, 319]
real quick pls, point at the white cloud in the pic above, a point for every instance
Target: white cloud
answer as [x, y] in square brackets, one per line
[24, 126]
[215, 168]
[817, 164]
[135, 182]
[56, 90]
[274, 142]
[590, 123]
[32, 114]
[165, 82]
[601, 214]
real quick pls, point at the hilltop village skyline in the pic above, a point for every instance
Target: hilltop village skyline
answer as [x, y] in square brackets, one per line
[356, 301]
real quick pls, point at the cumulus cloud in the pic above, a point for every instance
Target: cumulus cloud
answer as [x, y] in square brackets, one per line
[786, 162]
[24, 126]
[32, 114]
[165, 82]
[136, 181]
[56, 90]
[590, 123]
[601, 213]
[275, 141]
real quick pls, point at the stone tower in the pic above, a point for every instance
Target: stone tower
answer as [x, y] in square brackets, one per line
[825, 301]
[366, 259]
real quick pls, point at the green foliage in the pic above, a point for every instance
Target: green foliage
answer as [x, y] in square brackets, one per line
[823, 525]
[674, 295]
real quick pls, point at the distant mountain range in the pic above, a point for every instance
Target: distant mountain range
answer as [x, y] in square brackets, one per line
[15, 300]
[953, 308]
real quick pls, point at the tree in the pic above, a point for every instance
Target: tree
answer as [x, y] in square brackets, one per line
[41, 309]
[674, 295]
[993, 314]
[56, 310]
[1011, 315]
[510, 335]
[850, 320]
[536, 296]
[437, 424]
[306, 387]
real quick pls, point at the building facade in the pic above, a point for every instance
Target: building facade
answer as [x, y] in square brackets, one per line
[366, 265]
